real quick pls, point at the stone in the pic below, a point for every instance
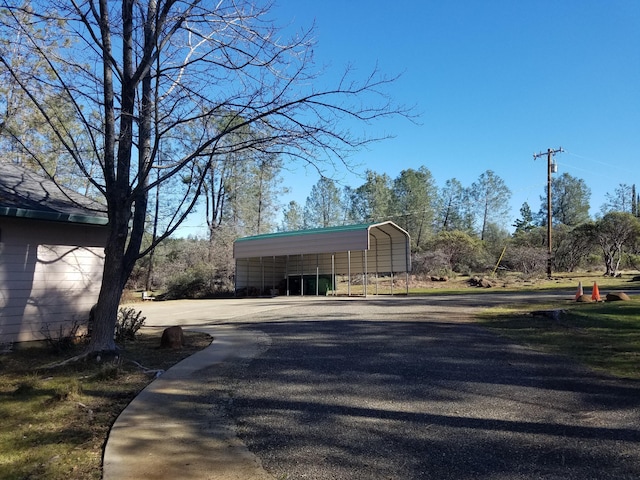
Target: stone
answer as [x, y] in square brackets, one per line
[480, 282]
[619, 296]
[172, 337]
[584, 299]
[552, 314]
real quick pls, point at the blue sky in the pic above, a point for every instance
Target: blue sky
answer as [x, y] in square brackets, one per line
[494, 81]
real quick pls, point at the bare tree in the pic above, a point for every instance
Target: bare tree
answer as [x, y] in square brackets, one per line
[612, 233]
[137, 74]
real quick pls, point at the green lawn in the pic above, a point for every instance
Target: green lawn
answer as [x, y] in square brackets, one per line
[604, 336]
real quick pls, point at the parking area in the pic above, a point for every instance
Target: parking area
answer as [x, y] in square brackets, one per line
[407, 388]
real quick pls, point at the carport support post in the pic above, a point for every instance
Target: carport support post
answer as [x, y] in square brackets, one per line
[365, 271]
[391, 259]
[317, 276]
[286, 273]
[348, 273]
[262, 276]
[302, 275]
[392, 282]
[248, 267]
[333, 273]
[407, 250]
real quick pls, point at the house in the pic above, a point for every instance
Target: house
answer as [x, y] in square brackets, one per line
[51, 255]
[307, 262]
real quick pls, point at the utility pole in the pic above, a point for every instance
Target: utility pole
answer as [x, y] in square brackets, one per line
[551, 168]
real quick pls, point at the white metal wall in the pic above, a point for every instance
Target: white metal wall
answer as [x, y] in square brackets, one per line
[386, 252]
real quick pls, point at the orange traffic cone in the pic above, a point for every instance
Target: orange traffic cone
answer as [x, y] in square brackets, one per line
[580, 291]
[595, 295]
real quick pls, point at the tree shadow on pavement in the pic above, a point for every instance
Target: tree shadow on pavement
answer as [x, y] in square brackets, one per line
[356, 399]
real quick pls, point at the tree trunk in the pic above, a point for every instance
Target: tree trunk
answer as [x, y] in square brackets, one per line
[106, 311]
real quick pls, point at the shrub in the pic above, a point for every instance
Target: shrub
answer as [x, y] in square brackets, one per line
[64, 338]
[530, 261]
[129, 322]
[201, 281]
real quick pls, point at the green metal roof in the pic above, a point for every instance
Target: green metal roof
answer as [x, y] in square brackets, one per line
[310, 231]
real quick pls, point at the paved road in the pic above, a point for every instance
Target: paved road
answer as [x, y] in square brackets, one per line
[407, 388]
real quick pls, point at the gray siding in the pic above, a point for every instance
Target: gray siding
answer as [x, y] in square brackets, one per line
[50, 274]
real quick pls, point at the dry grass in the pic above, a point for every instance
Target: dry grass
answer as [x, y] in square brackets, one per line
[503, 281]
[55, 421]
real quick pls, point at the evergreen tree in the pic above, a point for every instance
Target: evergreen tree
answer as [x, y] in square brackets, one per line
[292, 217]
[621, 200]
[413, 200]
[323, 207]
[569, 201]
[371, 201]
[451, 210]
[524, 224]
[489, 197]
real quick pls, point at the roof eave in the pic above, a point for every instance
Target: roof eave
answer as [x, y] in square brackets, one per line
[52, 216]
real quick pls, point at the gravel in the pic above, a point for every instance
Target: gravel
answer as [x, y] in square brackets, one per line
[409, 389]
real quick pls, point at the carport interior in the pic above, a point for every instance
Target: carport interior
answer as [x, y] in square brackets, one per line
[298, 263]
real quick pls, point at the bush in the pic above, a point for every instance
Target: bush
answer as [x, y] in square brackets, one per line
[129, 322]
[201, 281]
[530, 261]
[65, 338]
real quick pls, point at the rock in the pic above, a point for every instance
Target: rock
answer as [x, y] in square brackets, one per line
[172, 337]
[552, 314]
[480, 282]
[584, 299]
[434, 278]
[619, 296]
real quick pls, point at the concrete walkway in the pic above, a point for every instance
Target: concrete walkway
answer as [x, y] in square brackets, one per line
[171, 431]
[175, 428]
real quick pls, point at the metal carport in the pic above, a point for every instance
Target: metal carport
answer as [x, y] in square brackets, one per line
[283, 262]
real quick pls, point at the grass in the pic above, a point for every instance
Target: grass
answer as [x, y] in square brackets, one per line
[55, 422]
[604, 336]
[502, 282]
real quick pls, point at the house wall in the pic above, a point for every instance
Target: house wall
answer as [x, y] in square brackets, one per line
[50, 275]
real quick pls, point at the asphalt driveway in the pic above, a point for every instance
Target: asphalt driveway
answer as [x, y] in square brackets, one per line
[407, 388]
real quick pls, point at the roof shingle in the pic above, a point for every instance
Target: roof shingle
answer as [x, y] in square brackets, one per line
[25, 194]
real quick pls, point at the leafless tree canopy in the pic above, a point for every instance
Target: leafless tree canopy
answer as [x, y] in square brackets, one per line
[192, 79]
